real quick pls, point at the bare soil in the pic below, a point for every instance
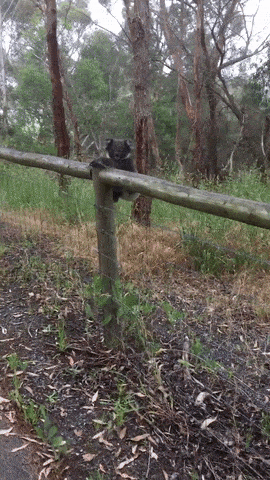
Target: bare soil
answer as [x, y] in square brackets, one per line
[195, 408]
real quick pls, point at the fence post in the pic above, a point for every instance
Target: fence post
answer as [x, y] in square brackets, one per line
[108, 262]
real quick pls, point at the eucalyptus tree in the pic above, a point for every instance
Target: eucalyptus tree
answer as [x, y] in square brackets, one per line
[205, 40]
[7, 12]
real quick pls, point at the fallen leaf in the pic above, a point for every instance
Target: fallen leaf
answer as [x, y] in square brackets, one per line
[29, 389]
[134, 449]
[207, 422]
[88, 457]
[153, 454]
[90, 409]
[4, 400]
[100, 438]
[71, 361]
[99, 422]
[78, 433]
[11, 416]
[125, 475]
[99, 434]
[118, 452]
[127, 462]
[14, 450]
[140, 437]
[105, 442]
[94, 398]
[48, 462]
[152, 440]
[6, 431]
[122, 433]
[45, 472]
[200, 398]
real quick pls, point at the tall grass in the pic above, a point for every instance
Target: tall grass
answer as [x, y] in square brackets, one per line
[34, 189]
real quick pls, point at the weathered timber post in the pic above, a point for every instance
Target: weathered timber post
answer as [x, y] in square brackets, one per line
[108, 262]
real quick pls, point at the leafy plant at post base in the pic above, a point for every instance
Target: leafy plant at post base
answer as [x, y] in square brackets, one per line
[131, 311]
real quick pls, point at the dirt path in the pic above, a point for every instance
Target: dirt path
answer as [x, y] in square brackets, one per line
[16, 456]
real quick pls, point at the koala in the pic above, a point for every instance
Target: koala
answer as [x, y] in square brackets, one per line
[118, 156]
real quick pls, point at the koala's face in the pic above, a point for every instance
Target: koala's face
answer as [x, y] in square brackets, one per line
[118, 149]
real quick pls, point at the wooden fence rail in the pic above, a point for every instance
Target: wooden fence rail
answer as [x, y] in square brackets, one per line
[242, 210]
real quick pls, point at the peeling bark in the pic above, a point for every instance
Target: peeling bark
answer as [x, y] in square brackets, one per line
[139, 28]
[60, 130]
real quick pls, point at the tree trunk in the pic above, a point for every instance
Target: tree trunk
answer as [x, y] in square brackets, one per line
[73, 117]
[3, 78]
[139, 28]
[193, 112]
[198, 157]
[60, 130]
[178, 136]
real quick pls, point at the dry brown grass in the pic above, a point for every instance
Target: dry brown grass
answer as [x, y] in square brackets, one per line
[148, 251]
[80, 240]
[142, 251]
[153, 258]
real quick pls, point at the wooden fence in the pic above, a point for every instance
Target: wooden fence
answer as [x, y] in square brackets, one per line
[242, 210]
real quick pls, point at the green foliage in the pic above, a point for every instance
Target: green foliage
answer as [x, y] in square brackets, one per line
[255, 94]
[132, 309]
[73, 16]
[165, 126]
[96, 476]
[265, 423]
[89, 80]
[62, 341]
[48, 432]
[212, 259]
[33, 413]
[34, 91]
[202, 358]
[173, 315]
[132, 313]
[15, 363]
[194, 475]
[3, 249]
[123, 405]
[23, 187]
[114, 62]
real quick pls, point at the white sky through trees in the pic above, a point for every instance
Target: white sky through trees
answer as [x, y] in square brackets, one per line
[104, 19]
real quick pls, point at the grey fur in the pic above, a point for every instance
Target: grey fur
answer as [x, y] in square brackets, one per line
[118, 156]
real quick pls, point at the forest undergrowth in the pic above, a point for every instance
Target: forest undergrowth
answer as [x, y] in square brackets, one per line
[188, 395]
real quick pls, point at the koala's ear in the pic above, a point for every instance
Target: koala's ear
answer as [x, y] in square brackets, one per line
[109, 142]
